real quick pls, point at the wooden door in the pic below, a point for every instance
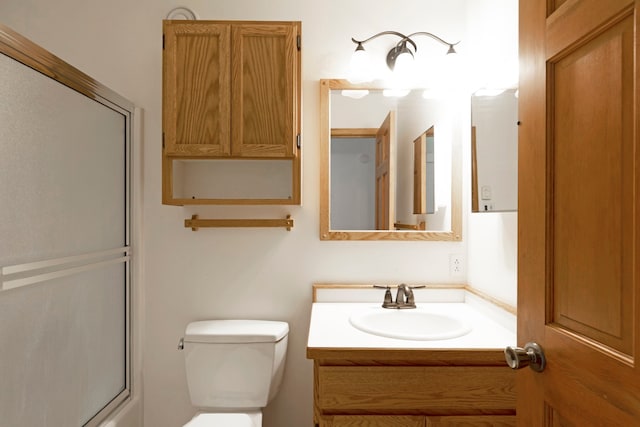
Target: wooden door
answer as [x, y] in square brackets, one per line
[385, 173]
[196, 88]
[474, 171]
[423, 182]
[419, 174]
[579, 207]
[266, 83]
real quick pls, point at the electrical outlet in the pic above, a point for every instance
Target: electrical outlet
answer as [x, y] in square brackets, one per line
[456, 265]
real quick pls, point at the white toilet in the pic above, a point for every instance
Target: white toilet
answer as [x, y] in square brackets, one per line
[234, 368]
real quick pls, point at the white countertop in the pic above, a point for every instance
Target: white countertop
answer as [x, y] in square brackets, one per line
[330, 328]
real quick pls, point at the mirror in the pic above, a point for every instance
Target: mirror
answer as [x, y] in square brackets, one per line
[494, 152]
[390, 166]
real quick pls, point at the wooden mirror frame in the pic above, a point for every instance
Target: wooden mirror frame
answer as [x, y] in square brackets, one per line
[455, 234]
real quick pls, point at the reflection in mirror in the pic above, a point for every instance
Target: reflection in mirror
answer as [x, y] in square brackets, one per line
[424, 173]
[389, 167]
[353, 153]
[494, 152]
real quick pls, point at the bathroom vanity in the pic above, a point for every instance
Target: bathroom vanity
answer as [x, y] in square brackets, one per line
[363, 379]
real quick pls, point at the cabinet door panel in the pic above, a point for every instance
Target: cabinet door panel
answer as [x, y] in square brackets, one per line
[372, 421]
[265, 74]
[473, 421]
[196, 89]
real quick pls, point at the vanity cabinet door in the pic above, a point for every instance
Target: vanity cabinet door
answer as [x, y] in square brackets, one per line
[418, 421]
[373, 421]
[472, 421]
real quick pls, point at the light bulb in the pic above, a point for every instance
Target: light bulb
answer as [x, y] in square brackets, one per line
[359, 67]
[403, 65]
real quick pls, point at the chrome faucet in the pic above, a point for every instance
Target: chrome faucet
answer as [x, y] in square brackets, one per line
[404, 297]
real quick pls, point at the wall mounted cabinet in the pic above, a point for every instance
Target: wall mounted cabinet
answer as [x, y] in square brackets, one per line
[231, 93]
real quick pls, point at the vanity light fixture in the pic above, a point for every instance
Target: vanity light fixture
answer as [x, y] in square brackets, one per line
[399, 57]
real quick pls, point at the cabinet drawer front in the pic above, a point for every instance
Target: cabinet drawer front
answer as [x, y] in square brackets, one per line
[416, 390]
[372, 421]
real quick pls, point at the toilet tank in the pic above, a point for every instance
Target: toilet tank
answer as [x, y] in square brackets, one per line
[234, 363]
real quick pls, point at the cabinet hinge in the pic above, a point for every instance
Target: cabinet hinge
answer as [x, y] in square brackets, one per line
[163, 42]
[298, 42]
[163, 140]
[298, 142]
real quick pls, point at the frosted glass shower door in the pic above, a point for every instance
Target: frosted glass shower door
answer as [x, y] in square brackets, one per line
[64, 251]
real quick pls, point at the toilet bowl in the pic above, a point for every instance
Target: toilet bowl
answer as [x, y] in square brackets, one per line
[234, 368]
[236, 419]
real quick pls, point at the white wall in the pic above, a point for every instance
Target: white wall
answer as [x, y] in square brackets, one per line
[492, 260]
[253, 273]
[492, 237]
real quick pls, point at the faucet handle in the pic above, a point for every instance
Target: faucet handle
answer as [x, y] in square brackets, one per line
[388, 299]
[411, 299]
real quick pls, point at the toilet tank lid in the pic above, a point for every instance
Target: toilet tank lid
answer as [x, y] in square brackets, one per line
[236, 331]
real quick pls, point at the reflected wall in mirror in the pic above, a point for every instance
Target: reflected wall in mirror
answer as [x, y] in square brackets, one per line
[390, 169]
[494, 152]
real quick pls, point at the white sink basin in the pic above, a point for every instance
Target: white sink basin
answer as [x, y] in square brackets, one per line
[409, 324]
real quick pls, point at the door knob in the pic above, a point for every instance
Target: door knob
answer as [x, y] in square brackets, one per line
[531, 355]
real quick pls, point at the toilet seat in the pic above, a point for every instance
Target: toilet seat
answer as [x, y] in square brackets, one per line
[235, 419]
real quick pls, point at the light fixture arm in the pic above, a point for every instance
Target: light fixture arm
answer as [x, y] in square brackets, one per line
[433, 36]
[394, 33]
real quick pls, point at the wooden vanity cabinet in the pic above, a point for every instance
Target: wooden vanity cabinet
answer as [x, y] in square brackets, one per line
[425, 388]
[231, 90]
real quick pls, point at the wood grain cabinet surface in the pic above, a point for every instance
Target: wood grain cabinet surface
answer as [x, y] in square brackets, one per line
[418, 421]
[473, 388]
[231, 90]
